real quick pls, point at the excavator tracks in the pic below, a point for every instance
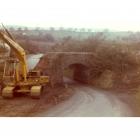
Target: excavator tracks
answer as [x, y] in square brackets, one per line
[36, 92]
[7, 92]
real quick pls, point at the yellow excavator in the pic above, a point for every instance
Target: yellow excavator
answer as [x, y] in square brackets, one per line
[16, 77]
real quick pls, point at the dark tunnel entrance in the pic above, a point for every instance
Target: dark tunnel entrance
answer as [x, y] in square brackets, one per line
[75, 73]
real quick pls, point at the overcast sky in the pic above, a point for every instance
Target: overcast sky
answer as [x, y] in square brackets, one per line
[111, 14]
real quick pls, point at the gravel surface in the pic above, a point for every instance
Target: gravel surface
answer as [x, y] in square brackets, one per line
[89, 102]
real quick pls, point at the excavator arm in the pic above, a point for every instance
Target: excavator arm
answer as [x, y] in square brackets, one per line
[19, 52]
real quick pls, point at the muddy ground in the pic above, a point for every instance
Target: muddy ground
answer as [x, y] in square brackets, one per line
[90, 102]
[25, 106]
[74, 100]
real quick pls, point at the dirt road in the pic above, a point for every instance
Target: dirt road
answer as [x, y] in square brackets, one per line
[89, 102]
[76, 100]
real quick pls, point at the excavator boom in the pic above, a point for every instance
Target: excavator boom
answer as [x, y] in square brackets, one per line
[19, 51]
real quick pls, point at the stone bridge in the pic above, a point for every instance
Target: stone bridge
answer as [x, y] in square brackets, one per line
[55, 63]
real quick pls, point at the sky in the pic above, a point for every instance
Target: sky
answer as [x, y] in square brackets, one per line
[120, 15]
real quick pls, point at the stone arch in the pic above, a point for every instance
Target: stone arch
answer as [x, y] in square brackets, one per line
[53, 65]
[75, 60]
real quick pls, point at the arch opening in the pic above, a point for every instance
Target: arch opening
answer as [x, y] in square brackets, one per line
[75, 73]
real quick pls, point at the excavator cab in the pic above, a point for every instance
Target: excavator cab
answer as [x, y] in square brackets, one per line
[34, 73]
[9, 73]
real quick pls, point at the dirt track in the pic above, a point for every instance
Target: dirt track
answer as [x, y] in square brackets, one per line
[89, 102]
[76, 100]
